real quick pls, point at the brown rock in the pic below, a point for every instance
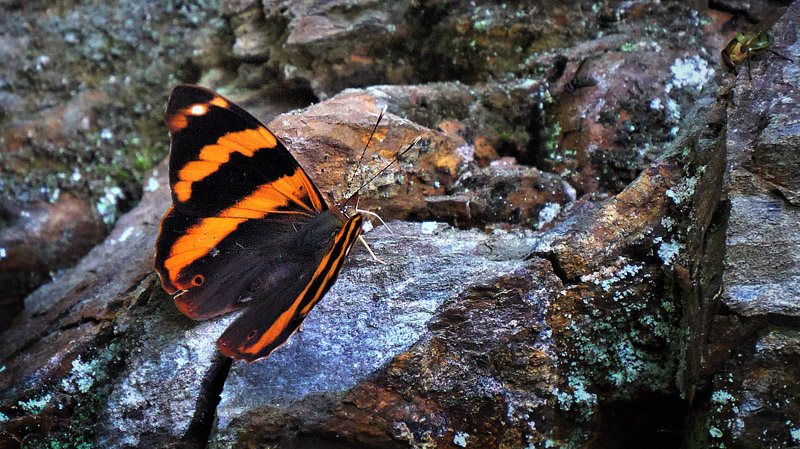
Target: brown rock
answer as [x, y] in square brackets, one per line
[252, 44]
[40, 240]
[751, 302]
[332, 135]
[484, 151]
[502, 193]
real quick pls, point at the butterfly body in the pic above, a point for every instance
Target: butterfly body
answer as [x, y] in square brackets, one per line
[247, 227]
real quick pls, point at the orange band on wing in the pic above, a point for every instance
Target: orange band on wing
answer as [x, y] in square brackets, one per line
[199, 239]
[211, 157]
[334, 259]
[219, 101]
[197, 242]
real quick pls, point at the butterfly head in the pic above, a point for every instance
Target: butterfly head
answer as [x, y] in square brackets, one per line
[348, 207]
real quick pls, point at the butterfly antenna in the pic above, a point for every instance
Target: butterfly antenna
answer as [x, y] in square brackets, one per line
[396, 158]
[363, 152]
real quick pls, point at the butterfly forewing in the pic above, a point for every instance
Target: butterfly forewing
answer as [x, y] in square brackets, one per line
[247, 225]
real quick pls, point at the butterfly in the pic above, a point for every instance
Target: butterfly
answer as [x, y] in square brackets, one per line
[247, 226]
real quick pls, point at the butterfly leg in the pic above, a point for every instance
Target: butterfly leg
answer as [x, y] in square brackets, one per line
[373, 214]
[361, 237]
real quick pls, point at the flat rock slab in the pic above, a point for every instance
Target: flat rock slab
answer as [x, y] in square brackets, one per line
[763, 257]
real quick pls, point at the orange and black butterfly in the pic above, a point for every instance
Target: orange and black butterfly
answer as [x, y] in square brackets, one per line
[247, 227]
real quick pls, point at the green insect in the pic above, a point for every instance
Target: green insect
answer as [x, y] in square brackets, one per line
[744, 46]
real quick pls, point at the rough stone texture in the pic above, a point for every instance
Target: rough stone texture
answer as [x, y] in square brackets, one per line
[503, 192]
[369, 317]
[452, 384]
[763, 266]
[82, 86]
[39, 240]
[92, 133]
[750, 396]
[332, 135]
[504, 118]
[629, 324]
[753, 11]
[89, 337]
[603, 112]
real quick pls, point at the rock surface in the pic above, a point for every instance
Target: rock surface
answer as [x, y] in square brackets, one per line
[751, 399]
[39, 240]
[622, 272]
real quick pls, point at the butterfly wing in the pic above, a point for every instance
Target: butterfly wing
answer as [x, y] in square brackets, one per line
[267, 324]
[238, 198]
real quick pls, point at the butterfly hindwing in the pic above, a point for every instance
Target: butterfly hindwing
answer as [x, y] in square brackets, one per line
[222, 278]
[267, 325]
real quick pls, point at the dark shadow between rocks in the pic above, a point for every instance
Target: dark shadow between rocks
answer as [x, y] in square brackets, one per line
[654, 421]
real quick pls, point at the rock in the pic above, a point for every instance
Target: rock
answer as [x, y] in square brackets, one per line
[753, 399]
[604, 113]
[39, 241]
[501, 119]
[82, 90]
[409, 42]
[332, 135]
[503, 192]
[369, 318]
[751, 339]
[64, 355]
[630, 323]
[90, 333]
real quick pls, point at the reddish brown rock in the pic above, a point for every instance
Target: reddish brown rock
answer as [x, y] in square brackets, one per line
[501, 119]
[322, 44]
[40, 240]
[332, 135]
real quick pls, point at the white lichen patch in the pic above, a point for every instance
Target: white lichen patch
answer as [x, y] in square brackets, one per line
[691, 72]
[152, 184]
[578, 397]
[35, 405]
[125, 234]
[107, 205]
[667, 251]
[609, 276]
[460, 439]
[682, 192]
[81, 378]
[722, 397]
[428, 227]
[548, 213]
